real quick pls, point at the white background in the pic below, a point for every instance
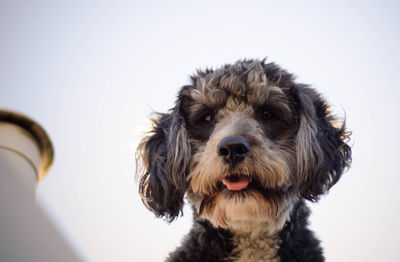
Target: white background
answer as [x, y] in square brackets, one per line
[92, 72]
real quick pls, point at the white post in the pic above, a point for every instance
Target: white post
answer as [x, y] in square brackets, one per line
[26, 233]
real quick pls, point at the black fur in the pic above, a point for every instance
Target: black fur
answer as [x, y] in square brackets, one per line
[298, 242]
[336, 154]
[163, 184]
[209, 244]
[204, 243]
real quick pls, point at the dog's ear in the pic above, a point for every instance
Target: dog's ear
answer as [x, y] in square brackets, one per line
[163, 159]
[321, 148]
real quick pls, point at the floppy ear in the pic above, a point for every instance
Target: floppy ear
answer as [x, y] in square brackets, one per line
[322, 152]
[163, 158]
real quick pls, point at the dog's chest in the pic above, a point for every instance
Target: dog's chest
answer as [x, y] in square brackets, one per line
[256, 249]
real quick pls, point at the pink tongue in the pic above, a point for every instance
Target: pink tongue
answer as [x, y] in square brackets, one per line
[237, 185]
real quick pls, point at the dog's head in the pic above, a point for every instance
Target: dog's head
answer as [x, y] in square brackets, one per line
[241, 143]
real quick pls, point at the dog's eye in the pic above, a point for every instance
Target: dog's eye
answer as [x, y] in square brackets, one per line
[266, 114]
[207, 119]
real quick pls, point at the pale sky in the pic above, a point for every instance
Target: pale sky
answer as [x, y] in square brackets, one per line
[92, 72]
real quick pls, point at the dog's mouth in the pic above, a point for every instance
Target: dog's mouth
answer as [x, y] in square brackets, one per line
[236, 182]
[241, 183]
[239, 187]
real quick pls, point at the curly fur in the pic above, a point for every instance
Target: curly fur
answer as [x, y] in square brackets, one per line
[297, 151]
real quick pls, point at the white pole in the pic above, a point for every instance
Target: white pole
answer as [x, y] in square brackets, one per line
[26, 233]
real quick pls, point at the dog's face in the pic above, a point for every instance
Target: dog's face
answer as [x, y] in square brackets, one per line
[243, 148]
[241, 143]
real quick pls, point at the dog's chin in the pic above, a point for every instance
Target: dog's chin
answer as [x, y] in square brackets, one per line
[242, 203]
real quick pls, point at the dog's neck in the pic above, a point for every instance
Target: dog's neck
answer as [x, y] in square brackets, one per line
[258, 241]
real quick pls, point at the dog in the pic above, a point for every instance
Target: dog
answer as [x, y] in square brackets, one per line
[246, 146]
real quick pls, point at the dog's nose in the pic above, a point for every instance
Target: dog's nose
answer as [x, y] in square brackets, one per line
[233, 149]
